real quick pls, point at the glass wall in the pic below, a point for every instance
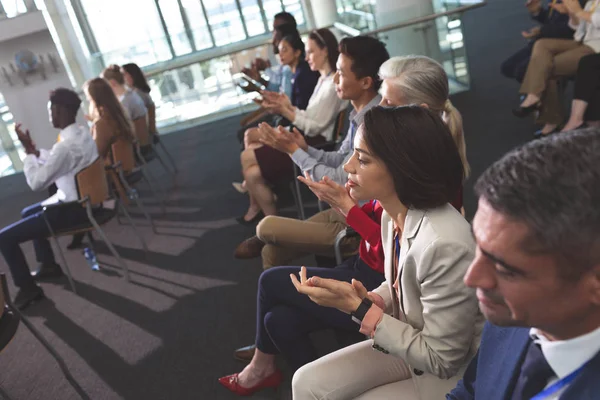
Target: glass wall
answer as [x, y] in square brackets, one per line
[151, 31]
[11, 8]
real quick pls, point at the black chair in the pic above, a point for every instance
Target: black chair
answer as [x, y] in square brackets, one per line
[10, 318]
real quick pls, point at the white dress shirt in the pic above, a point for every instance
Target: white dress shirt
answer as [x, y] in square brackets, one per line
[323, 107]
[589, 31]
[566, 356]
[74, 151]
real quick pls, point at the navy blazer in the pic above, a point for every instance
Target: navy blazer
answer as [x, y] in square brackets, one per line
[493, 372]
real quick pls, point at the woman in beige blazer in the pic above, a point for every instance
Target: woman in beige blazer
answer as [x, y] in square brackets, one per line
[424, 323]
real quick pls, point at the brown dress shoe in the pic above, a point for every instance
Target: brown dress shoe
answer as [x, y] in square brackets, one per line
[245, 353]
[249, 248]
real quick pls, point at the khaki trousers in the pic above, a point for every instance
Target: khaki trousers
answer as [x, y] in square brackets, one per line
[551, 60]
[287, 238]
[354, 372]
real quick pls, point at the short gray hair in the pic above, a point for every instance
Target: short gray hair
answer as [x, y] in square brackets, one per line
[553, 186]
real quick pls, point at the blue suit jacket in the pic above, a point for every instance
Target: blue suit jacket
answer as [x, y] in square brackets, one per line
[492, 373]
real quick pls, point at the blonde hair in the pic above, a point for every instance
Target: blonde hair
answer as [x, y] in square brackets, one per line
[113, 72]
[422, 80]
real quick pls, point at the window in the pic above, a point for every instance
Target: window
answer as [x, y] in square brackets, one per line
[127, 31]
[252, 17]
[13, 7]
[225, 22]
[174, 21]
[11, 150]
[197, 22]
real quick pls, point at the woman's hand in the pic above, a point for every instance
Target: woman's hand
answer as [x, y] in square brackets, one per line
[337, 196]
[278, 103]
[532, 33]
[560, 7]
[328, 292]
[279, 138]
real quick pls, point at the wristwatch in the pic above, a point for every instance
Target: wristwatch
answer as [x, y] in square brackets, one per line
[359, 314]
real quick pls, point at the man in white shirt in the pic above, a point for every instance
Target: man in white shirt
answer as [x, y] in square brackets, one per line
[74, 150]
[537, 273]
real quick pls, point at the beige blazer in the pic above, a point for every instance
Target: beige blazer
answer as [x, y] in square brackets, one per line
[436, 325]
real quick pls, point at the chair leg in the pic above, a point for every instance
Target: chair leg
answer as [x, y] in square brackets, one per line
[140, 205]
[164, 149]
[153, 189]
[135, 229]
[112, 249]
[62, 254]
[57, 357]
[298, 199]
[162, 162]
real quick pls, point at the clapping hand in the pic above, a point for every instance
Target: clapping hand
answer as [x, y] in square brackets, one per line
[276, 102]
[532, 33]
[25, 139]
[533, 6]
[337, 196]
[344, 296]
[571, 6]
[561, 8]
[281, 139]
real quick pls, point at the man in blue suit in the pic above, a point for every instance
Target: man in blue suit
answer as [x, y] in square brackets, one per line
[537, 273]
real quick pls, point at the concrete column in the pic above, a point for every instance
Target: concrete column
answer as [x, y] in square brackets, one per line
[418, 39]
[67, 36]
[324, 12]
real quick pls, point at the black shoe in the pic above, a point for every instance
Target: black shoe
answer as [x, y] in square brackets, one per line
[525, 111]
[538, 134]
[252, 222]
[51, 271]
[27, 296]
[76, 242]
[9, 322]
[245, 353]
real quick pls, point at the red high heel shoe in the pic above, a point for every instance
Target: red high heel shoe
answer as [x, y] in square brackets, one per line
[231, 383]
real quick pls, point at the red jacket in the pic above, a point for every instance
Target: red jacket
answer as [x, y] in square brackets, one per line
[366, 221]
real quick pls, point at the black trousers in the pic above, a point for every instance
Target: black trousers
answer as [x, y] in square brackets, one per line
[515, 66]
[285, 317]
[587, 85]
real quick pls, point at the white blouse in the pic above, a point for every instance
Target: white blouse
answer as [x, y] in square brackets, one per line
[323, 107]
[589, 32]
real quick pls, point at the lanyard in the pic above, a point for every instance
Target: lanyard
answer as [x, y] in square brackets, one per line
[398, 248]
[555, 387]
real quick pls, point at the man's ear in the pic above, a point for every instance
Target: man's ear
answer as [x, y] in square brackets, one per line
[594, 284]
[367, 82]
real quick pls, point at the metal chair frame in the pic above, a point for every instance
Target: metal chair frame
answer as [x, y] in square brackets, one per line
[59, 360]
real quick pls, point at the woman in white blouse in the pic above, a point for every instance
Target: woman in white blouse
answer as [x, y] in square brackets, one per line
[553, 59]
[264, 166]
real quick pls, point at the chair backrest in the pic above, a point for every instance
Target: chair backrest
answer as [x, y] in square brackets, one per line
[142, 133]
[91, 182]
[152, 120]
[123, 152]
[338, 128]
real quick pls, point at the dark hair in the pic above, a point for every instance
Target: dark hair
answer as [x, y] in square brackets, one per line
[286, 17]
[280, 32]
[325, 39]
[553, 187]
[108, 106]
[113, 72]
[367, 55]
[139, 80]
[65, 98]
[416, 146]
[297, 44]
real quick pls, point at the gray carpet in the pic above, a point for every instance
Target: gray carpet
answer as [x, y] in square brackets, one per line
[170, 333]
